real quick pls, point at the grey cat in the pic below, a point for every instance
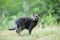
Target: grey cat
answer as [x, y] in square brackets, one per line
[26, 23]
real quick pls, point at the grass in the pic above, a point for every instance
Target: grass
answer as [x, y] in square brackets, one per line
[50, 33]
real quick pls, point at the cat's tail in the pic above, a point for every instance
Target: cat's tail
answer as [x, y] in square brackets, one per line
[12, 28]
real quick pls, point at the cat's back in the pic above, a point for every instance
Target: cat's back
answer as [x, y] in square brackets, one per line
[24, 19]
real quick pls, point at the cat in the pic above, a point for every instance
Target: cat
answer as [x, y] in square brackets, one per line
[26, 23]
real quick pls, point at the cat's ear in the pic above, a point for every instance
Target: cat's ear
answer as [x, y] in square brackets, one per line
[38, 14]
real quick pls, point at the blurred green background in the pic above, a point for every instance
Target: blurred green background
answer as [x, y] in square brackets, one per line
[12, 9]
[48, 27]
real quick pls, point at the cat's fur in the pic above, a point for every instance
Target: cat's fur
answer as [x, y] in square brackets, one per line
[26, 23]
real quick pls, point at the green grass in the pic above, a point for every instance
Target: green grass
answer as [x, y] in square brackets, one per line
[37, 34]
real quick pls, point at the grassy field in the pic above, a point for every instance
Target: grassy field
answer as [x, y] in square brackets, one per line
[50, 33]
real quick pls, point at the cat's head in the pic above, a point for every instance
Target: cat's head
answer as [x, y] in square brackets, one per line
[36, 16]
